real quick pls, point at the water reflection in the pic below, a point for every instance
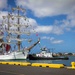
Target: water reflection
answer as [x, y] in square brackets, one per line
[40, 61]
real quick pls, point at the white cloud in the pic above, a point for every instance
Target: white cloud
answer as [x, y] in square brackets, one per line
[2, 13]
[48, 38]
[42, 8]
[32, 22]
[54, 29]
[3, 4]
[52, 40]
[57, 41]
[44, 29]
[66, 24]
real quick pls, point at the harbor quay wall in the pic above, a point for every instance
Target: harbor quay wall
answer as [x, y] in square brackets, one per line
[51, 65]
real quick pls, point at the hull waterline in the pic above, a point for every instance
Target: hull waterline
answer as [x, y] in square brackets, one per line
[33, 57]
[14, 56]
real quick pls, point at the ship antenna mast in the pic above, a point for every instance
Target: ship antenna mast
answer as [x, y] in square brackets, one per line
[18, 22]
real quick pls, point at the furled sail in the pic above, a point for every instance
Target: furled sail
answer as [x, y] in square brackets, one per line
[7, 47]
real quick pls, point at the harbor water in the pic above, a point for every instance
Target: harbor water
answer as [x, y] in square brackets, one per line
[65, 62]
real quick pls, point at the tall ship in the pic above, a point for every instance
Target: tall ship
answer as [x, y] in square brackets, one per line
[12, 29]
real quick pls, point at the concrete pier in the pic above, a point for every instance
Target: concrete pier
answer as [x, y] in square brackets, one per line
[29, 70]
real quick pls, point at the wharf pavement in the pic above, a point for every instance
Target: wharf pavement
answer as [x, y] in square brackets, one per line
[29, 70]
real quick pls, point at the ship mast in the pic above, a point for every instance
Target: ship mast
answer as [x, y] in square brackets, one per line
[9, 16]
[18, 22]
[18, 29]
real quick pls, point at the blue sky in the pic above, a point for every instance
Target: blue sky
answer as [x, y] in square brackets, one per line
[53, 20]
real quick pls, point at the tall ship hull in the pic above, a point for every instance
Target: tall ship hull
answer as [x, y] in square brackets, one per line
[14, 56]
